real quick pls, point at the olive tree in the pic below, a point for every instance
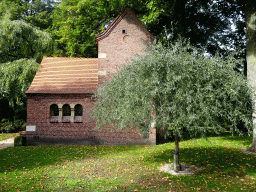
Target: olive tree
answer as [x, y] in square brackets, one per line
[179, 89]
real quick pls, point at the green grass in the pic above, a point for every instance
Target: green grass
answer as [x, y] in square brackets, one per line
[4, 136]
[129, 168]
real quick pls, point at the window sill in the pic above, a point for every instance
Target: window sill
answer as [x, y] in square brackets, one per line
[66, 119]
[78, 119]
[54, 119]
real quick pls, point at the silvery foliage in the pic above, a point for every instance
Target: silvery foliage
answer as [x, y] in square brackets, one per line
[180, 90]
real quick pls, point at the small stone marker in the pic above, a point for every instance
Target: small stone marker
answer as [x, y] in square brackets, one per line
[31, 128]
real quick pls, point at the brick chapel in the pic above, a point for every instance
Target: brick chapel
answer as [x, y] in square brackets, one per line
[59, 101]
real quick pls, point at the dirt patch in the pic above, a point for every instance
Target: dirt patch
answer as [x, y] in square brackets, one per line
[186, 170]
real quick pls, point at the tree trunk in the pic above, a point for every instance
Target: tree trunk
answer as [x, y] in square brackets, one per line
[250, 16]
[176, 154]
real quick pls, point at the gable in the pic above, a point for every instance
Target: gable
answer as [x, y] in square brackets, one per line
[125, 37]
[66, 75]
[131, 20]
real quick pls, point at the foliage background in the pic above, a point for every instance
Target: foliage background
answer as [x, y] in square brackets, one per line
[22, 47]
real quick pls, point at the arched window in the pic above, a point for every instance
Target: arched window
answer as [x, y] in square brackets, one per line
[54, 110]
[66, 110]
[54, 113]
[78, 110]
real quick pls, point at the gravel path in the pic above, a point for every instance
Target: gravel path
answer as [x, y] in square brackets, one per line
[7, 143]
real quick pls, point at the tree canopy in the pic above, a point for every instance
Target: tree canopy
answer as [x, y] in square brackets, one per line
[35, 12]
[15, 79]
[76, 23]
[19, 39]
[185, 89]
[21, 49]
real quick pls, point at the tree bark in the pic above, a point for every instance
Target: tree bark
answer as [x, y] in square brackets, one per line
[176, 154]
[250, 16]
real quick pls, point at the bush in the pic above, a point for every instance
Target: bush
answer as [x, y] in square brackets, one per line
[20, 140]
[19, 125]
[7, 126]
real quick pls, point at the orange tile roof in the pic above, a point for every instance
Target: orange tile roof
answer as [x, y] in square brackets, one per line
[66, 75]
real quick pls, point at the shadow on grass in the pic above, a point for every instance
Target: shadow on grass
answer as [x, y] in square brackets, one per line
[226, 135]
[32, 157]
[245, 139]
[186, 136]
[222, 161]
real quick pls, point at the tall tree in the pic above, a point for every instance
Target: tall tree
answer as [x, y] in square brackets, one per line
[21, 45]
[251, 56]
[186, 91]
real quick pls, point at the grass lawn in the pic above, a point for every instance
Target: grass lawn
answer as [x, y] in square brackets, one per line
[129, 168]
[4, 136]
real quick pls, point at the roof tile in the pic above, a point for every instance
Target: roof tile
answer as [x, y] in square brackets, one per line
[66, 75]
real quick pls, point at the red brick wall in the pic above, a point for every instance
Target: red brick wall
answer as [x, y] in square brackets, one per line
[38, 109]
[119, 47]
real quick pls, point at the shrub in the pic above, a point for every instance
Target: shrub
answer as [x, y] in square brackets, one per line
[7, 126]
